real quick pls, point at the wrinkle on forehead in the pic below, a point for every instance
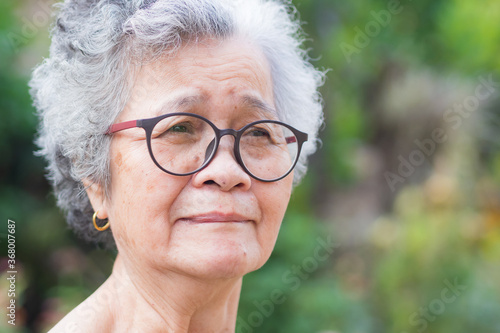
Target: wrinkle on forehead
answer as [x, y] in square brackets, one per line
[181, 103]
[218, 61]
[205, 71]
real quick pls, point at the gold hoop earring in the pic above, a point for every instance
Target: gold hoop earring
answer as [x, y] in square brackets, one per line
[104, 227]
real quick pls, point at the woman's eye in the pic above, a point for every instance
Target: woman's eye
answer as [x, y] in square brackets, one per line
[259, 132]
[178, 129]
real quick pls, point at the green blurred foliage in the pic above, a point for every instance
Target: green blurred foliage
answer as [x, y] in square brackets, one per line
[439, 227]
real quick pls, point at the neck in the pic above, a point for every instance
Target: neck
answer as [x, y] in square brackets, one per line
[158, 302]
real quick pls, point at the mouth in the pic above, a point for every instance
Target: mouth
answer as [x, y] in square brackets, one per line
[215, 217]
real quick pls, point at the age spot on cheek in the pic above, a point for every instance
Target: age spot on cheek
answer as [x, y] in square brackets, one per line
[118, 160]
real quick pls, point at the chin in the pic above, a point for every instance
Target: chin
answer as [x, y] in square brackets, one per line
[231, 259]
[221, 257]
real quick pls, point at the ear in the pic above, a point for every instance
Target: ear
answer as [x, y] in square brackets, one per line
[97, 198]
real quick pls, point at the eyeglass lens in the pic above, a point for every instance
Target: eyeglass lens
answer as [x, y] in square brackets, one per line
[183, 144]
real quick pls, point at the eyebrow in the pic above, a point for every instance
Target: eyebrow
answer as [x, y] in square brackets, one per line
[175, 104]
[187, 101]
[254, 102]
[180, 102]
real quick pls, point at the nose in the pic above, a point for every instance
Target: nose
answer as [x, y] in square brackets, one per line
[223, 171]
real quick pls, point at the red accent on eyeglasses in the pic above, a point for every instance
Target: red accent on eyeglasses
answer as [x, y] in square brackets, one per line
[291, 139]
[121, 126]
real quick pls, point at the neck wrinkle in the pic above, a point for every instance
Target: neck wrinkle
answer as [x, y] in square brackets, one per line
[174, 302]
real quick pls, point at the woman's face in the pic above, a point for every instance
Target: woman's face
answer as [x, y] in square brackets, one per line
[218, 222]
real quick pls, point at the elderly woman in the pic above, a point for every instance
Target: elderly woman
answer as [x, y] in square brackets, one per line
[175, 131]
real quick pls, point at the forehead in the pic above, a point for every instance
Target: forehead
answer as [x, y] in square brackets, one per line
[208, 73]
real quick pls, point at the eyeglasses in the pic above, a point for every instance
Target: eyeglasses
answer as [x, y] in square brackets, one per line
[184, 143]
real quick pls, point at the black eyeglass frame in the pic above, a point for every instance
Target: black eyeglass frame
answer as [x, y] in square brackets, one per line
[149, 123]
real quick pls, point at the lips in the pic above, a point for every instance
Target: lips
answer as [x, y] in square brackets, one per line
[216, 217]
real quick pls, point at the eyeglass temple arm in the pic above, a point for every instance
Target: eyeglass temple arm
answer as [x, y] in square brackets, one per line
[122, 126]
[301, 136]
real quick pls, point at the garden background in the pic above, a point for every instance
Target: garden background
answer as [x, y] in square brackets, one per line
[395, 229]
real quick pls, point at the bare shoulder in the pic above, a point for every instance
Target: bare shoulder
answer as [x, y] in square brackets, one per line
[92, 315]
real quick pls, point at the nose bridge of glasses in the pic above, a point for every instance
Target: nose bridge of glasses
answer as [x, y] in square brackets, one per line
[213, 148]
[229, 131]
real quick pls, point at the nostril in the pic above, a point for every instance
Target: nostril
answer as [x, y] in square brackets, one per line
[209, 182]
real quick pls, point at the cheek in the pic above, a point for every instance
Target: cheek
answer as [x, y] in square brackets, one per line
[276, 195]
[273, 202]
[141, 197]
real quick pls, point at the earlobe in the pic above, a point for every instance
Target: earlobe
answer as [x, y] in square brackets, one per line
[97, 198]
